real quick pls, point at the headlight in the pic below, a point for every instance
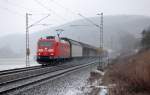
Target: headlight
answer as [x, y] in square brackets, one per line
[51, 54]
[50, 50]
[40, 50]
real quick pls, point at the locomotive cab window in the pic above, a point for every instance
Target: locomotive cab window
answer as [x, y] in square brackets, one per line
[45, 43]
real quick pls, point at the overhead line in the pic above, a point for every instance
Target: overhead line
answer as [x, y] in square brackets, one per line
[39, 20]
[16, 5]
[79, 14]
[42, 5]
[22, 7]
[89, 20]
[67, 9]
[11, 11]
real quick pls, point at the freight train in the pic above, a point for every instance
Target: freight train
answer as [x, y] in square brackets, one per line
[53, 49]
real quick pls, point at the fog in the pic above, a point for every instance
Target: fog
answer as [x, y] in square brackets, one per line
[118, 31]
[62, 11]
[120, 17]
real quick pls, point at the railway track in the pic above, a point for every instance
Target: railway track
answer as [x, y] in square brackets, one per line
[4, 72]
[17, 78]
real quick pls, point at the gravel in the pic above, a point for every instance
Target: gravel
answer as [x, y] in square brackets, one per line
[70, 84]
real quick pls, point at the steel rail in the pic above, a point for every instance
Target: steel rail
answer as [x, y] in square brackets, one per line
[4, 72]
[41, 75]
[18, 70]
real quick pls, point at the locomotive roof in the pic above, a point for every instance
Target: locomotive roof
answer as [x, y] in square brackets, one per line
[78, 43]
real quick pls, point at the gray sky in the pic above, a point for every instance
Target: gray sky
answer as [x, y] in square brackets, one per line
[12, 12]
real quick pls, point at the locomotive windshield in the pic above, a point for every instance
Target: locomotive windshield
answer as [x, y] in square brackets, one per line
[45, 43]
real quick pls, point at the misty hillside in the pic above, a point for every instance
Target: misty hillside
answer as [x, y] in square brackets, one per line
[118, 30]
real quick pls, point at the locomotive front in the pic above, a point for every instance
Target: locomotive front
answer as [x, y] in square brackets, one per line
[52, 50]
[45, 49]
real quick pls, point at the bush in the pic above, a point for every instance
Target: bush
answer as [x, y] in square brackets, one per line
[145, 39]
[132, 77]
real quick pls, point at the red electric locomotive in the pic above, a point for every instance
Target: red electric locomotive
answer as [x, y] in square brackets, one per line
[52, 49]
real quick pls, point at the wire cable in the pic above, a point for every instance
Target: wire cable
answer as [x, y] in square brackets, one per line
[12, 11]
[50, 10]
[67, 9]
[39, 20]
[16, 5]
[72, 12]
[89, 20]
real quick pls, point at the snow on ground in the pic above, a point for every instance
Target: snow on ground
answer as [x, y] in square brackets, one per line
[103, 92]
[73, 92]
[70, 84]
[11, 63]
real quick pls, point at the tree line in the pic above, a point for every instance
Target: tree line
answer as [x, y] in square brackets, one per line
[145, 42]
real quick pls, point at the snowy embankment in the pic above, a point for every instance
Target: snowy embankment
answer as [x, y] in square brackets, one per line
[95, 83]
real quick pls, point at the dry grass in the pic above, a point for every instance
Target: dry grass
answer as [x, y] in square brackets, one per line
[131, 76]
